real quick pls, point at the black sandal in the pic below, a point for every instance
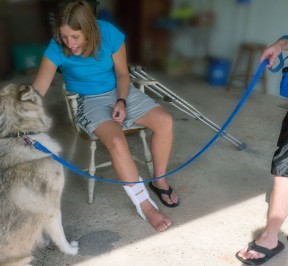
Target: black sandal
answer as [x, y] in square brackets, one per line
[168, 192]
[269, 253]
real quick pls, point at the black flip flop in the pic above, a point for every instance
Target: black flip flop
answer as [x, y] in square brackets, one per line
[269, 253]
[168, 192]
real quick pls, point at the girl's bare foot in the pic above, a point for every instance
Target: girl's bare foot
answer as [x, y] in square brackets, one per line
[158, 220]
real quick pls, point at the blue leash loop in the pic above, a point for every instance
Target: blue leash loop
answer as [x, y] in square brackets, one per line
[252, 84]
[280, 57]
[280, 65]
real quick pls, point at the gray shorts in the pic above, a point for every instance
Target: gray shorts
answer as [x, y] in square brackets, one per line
[93, 110]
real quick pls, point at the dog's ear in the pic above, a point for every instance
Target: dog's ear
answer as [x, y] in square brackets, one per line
[26, 93]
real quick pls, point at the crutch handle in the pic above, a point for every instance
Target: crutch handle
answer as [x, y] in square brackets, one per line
[143, 81]
[132, 68]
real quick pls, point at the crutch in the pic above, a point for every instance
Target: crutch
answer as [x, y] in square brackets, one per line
[140, 77]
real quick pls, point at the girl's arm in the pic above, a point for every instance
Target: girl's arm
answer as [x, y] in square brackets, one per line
[272, 52]
[122, 82]
[44, 76]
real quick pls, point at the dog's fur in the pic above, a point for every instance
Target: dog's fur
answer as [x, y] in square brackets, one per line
[31, 182]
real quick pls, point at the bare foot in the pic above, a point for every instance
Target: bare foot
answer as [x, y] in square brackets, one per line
[162, 184]
[158, 220]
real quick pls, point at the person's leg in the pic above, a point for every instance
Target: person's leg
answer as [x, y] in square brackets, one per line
[111, 134]
[161, 124]
[278, 212]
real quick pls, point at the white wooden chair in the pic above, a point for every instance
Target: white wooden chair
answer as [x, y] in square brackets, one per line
[72, 107]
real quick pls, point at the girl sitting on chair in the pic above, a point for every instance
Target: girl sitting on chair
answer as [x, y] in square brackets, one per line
[91, 55]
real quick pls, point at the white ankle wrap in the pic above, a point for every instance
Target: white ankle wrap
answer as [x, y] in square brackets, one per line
[138, 193]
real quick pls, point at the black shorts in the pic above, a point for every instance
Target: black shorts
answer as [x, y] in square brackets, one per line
[279, 165]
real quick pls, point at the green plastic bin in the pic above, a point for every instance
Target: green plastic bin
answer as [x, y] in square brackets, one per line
[27, 57]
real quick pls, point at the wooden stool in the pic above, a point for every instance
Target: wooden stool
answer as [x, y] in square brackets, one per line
[249, 52]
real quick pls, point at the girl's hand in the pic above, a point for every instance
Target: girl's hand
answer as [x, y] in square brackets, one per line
[271, 53]
[119, 112]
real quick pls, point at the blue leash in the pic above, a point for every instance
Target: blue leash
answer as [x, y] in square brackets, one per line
[252, 84]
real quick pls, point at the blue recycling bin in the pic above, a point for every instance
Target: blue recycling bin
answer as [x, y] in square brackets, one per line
[218, 72]
[244, 1]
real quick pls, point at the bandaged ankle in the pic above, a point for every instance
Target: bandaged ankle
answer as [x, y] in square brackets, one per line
[138, 193]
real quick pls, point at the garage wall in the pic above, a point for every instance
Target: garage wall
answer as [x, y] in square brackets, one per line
[260, 21]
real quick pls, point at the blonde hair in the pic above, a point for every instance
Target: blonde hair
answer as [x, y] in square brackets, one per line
[78, 15]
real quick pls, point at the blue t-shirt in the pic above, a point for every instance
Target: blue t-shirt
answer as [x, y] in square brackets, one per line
[89, 76]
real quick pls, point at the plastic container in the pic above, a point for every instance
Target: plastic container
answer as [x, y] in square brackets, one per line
[218, 71]
[244, 1]
[27, 57]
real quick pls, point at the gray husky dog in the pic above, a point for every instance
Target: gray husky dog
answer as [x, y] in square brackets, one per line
[31, 183]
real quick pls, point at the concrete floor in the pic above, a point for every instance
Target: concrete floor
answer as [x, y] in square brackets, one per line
[223, 193]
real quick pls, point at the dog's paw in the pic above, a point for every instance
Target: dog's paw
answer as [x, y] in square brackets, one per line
[74, 244]
[73, 250]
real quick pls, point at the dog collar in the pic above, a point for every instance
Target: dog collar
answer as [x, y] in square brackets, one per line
[19, 134]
